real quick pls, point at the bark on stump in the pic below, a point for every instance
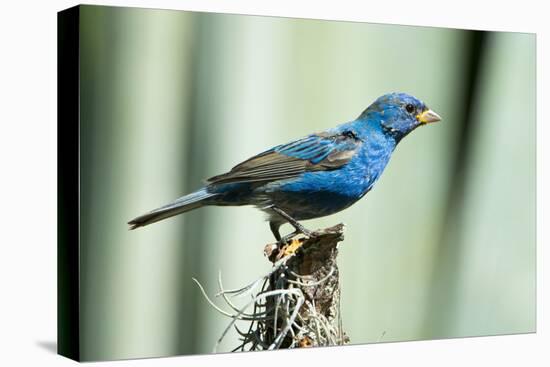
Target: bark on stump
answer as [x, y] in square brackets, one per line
[313, 270]
[296, 304]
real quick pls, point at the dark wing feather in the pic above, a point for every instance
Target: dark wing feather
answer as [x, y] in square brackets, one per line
[313, 153]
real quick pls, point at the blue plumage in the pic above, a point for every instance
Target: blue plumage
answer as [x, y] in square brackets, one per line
[314, 176]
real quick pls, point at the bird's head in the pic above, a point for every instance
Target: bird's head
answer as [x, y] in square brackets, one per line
[399, 113]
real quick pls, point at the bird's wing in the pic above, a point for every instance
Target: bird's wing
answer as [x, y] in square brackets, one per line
[318, 152]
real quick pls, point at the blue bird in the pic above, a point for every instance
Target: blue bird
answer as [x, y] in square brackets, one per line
[315, 176]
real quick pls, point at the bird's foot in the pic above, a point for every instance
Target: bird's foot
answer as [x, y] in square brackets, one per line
[279, 250]
[287, 245]
[292, 247]
[298, 228]
[301, 230]
[290, 244]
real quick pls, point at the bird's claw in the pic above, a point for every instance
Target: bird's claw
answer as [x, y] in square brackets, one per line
[292, 247]
[304, 231]
[287, 245]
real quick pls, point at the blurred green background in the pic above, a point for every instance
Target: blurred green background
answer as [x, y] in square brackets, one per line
[169, 98]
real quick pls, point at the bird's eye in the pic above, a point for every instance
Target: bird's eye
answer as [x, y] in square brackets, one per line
[410, 108]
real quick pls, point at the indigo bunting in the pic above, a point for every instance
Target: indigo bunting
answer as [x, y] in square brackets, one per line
[315, 176]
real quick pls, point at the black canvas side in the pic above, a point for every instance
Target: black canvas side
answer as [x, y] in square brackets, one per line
[68, 330]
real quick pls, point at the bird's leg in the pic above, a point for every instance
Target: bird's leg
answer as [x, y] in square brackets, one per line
[275, 230]
[287, 237]
[293, 222]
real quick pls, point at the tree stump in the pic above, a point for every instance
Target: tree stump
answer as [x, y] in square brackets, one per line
[309, 265]
[298, 303]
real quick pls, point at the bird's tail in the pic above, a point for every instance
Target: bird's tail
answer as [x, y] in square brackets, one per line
[181, 205]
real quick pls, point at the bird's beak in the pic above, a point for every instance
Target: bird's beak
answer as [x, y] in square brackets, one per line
[428, 116]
